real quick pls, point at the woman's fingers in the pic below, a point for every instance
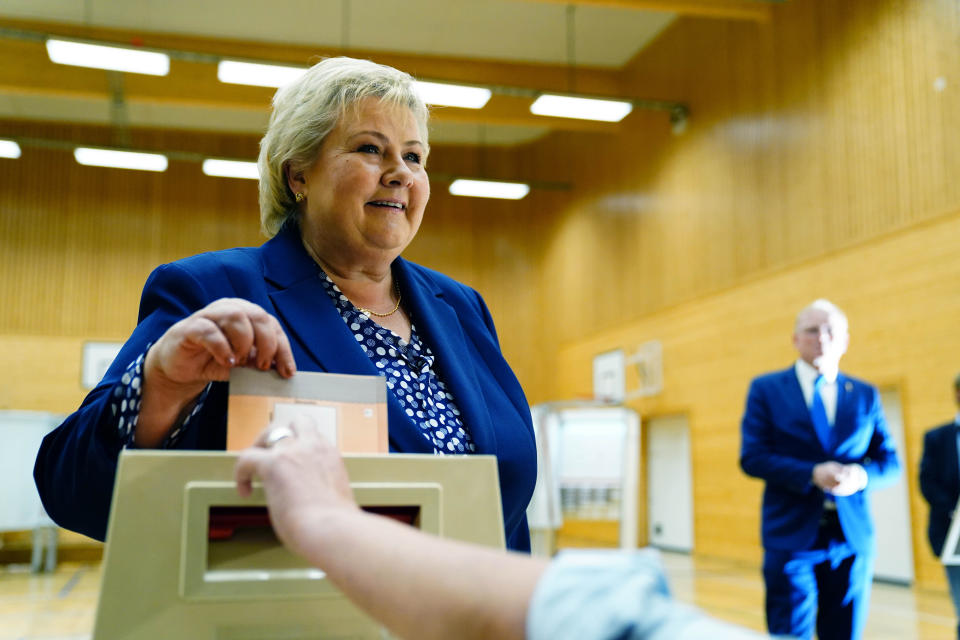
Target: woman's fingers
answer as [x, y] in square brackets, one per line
[206, 334]
[226, 333]
[232, 318]
[255, 337]
[283, 358]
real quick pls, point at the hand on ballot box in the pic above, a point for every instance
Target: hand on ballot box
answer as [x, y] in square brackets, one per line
[303, 477]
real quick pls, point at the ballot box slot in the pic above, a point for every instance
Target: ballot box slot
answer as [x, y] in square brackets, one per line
[241, 539]
[230, 550]
[227, 521]
[406, 514]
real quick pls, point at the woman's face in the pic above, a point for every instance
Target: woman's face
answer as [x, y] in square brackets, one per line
[367, 189]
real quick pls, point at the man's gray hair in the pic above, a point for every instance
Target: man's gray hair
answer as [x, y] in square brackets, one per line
[822, 304]
[306, 111]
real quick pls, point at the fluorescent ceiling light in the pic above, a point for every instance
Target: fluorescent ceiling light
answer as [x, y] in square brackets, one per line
[453, 95]
[489, 189]
[120, 159]
[581, 108]
[80, 54]
[258, 75]
[231, 169]
[9, 149]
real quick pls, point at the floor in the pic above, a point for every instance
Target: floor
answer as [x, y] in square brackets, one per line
[60, 606]
[57, 606]
[735, 594]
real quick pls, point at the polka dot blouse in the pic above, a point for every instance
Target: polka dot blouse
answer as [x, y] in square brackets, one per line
[407, 367]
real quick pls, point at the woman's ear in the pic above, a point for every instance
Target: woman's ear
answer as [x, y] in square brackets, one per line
[295, 179]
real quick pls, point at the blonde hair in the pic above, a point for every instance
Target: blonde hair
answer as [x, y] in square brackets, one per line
[308, 109]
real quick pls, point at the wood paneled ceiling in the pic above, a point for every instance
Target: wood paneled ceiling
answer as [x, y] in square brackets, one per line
[576, 46]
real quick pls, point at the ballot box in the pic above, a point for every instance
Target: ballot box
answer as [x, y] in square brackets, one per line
[187, 557]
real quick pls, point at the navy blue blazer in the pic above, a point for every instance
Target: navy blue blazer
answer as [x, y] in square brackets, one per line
[77, 462]
[780, 445]
[940, 481]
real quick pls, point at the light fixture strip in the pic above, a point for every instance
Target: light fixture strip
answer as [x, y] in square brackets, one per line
[453, 95]
[97, 56]
[561, 106]
[257, 74]
[489, 189]
[9, 149]
[274, 75]
[230, 168]
[116, 159]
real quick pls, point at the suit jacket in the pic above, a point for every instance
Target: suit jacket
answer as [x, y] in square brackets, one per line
[780, 445]
[940, 481]
[77, 462]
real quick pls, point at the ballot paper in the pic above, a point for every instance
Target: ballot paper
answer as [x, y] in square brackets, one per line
[350, 411]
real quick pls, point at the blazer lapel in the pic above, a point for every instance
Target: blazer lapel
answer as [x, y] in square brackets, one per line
[438, 324]
[844, 422]
[948, 446]
[306, 310]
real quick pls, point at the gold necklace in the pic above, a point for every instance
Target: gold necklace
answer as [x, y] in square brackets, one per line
[396, 286]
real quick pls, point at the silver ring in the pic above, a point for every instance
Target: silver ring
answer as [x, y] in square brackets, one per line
[276, 435]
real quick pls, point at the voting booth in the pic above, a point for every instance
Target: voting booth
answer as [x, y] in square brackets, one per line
[588, 464]
[187, 557]
[20, 507]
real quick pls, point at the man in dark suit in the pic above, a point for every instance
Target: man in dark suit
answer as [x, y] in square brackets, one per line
[940, 485]
[819, 440]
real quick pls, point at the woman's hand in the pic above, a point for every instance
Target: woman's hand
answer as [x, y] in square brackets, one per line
[303, 477]
[203, 347]
[226, 333]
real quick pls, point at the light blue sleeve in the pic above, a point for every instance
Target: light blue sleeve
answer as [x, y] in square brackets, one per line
[607, 595]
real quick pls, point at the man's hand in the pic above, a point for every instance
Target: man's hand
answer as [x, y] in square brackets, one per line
[839, 479]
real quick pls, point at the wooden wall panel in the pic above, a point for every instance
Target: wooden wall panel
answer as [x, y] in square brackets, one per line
[808, 135]
[820, 160]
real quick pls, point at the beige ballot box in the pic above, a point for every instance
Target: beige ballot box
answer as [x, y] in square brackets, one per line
[350, 410]
[187, 557]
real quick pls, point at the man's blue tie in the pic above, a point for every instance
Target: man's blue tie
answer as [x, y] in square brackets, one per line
[818, 414]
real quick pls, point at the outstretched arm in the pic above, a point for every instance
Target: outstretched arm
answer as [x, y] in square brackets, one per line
[418, 586]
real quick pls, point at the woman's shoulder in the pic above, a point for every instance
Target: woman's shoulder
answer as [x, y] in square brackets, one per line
[202, 264]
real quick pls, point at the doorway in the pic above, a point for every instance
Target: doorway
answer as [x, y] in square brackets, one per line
[890, 507]
[669, 484]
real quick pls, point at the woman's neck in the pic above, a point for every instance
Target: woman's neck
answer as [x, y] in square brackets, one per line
[371, 287]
